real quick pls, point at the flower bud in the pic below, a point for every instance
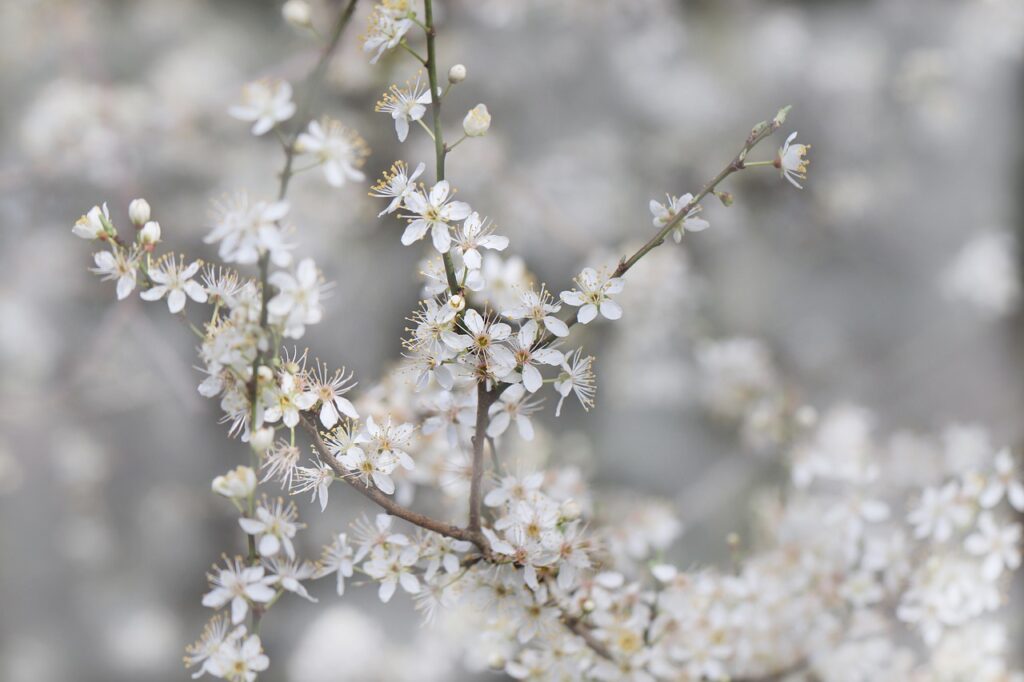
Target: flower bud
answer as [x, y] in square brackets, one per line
[138, 211]
[262, 439]
[570, 510]
[724, 197]
[150, 235]
[457, 302]
[265, 373]
[496, 662]
[780, 117]
[477, 121]
[297, 13]
[236, 484]
[457, 74]
[588, 605]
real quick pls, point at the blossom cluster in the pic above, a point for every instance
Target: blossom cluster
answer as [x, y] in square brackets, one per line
[560, 587]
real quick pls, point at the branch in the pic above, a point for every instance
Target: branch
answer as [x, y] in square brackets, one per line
[484, 400]
[311, 82]
[440, 151]
[387, 503]
[738, 163]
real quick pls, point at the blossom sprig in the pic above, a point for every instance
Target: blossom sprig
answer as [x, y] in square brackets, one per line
[526, 552]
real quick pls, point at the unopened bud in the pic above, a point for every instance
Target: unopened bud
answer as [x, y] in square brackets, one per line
[262, 439]
[138, 211]
[457, 302]
[457, 74]
[149, 235]
[477, 121]
[724, 197]
[496, 662]
[265, 373]
[297, 13]
[571, 510]
[758, 130]
[238, 483]
[780, 117]
[588, 605]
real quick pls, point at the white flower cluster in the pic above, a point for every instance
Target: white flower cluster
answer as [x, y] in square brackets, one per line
[553, 585]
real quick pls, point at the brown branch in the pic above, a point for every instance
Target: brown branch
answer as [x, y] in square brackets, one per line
[738, 163]
[387, 503]
[484, 400]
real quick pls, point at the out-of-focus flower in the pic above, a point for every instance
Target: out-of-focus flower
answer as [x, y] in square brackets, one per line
[297, 302]
[236, 484]
[266, 103]
[297, 13]
[119, 265]
[340, 149]
[985, 273]
[998, 547]
[239, 585]
[245, 230]
[477, 121]
[387, 25]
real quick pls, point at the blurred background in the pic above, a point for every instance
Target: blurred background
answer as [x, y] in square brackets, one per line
[890, 281]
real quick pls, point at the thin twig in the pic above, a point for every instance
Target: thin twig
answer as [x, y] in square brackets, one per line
[387, 503]
[435, 111]
[738, 163]
[484, 399]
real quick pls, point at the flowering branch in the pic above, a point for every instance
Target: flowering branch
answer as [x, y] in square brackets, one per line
[485, 399]
[384, 501]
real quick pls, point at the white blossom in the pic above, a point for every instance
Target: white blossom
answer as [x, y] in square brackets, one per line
[266, 103]
[174, 279]
[593, 295]
[118, 265]
[297, 301]
[998, 547]
[405, 104]
[339, 149]
[239, 585]
[434, 212]
[791, 161]
[664, 214]
[397, 184]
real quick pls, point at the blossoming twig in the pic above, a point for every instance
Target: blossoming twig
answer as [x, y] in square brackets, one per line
[387, 503]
